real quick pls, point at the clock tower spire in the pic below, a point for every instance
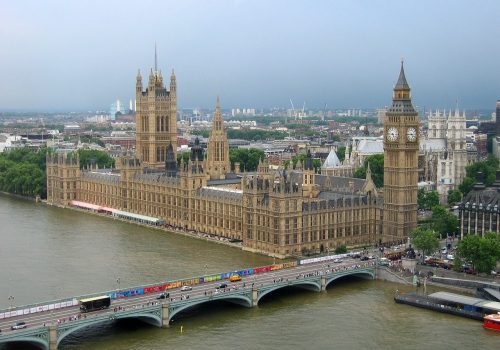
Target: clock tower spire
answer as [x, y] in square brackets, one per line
[401, 142]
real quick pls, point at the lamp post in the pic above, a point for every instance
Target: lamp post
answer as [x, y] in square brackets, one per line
[118, 280]
[11, 299]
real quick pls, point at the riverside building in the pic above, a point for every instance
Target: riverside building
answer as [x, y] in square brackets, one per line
[280, 213]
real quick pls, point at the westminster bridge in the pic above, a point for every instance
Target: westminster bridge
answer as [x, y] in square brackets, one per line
[47, 324]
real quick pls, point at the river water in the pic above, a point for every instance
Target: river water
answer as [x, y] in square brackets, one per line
[48, 253]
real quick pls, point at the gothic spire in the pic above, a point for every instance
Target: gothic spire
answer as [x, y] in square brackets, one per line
[218, 123]
[402, 84]
[156, 59]
[401, 99]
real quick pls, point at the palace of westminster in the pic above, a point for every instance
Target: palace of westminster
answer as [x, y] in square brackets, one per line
[280, 213]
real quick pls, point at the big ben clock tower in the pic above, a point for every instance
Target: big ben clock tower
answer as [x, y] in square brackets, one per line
[401, 142]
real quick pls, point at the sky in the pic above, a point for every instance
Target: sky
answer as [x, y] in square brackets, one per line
[82, 55]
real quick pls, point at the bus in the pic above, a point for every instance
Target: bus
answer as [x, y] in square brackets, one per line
[95, 303]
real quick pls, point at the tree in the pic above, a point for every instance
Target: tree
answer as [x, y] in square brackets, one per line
[342, 249]
[376, 162]
[427, 200]
[454, 196]
[341, 153]
[421, 198]
[302, 158]
[488, 167]
[443, 222]
[482, 252]
[425, 240]
[22, 171]
[182, 156]
[247, 157]
[466, 185]
[101, 158]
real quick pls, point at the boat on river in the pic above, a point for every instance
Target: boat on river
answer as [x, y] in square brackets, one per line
[492, 322]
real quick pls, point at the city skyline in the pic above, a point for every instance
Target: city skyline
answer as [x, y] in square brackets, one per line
[341, 54]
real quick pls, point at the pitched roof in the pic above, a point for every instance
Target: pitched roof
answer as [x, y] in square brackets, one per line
[402, 83]
[332, 161]
[371, 146]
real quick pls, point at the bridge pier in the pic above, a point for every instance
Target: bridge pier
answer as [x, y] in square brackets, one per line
[255, 297]
[52, 337]
[165, 321]
[323, 283]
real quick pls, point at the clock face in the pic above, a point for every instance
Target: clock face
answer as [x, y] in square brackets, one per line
[392, 134]
[411, 134]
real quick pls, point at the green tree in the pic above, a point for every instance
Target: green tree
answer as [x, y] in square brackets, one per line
[376, 162]
[443, 222]
[302, 158]
[466, 185]
[247, 157]
[22, 171]
[342, 249]
[101, 158]
[488, 167]
[341, 153]
[421, 198]
[454, 196]
[425, 240]
[182, 156]
[482, 252]
[427, 199]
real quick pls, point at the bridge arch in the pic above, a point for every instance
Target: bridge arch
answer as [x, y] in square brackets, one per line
[149, 318]
[235, 299]
[42, 343]
[309, 285]
[361, 273]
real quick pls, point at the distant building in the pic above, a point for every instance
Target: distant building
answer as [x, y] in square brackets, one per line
[381, 115]
[496, 140]
[443, 154]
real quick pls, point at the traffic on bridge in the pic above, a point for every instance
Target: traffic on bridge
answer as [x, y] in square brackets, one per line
[46, 324]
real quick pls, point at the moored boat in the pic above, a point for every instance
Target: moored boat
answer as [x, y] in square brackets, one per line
[492, 322]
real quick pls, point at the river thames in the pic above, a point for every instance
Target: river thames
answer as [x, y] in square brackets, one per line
[48, 253]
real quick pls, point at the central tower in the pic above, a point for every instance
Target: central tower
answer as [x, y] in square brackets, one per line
[156, 124]
[218, 164]
[401, 143]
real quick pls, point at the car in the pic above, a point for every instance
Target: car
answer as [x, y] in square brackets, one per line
[186, 288]
[163, 296]
[337, 261]
[18, 325]
[383, 262]
[364, 258]
[235, 278]
[221, 286]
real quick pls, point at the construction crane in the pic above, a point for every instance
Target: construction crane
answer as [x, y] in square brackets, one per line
[293, 110]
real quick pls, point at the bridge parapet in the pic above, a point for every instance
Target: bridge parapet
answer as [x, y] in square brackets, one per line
[38, 335]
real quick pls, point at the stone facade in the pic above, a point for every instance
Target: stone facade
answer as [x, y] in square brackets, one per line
[156, 125]
[443, 154]
[479, 211]
[280, 213]
[401, 140]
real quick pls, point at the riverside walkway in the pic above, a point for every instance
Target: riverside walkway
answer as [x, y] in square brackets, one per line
[47, 324]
